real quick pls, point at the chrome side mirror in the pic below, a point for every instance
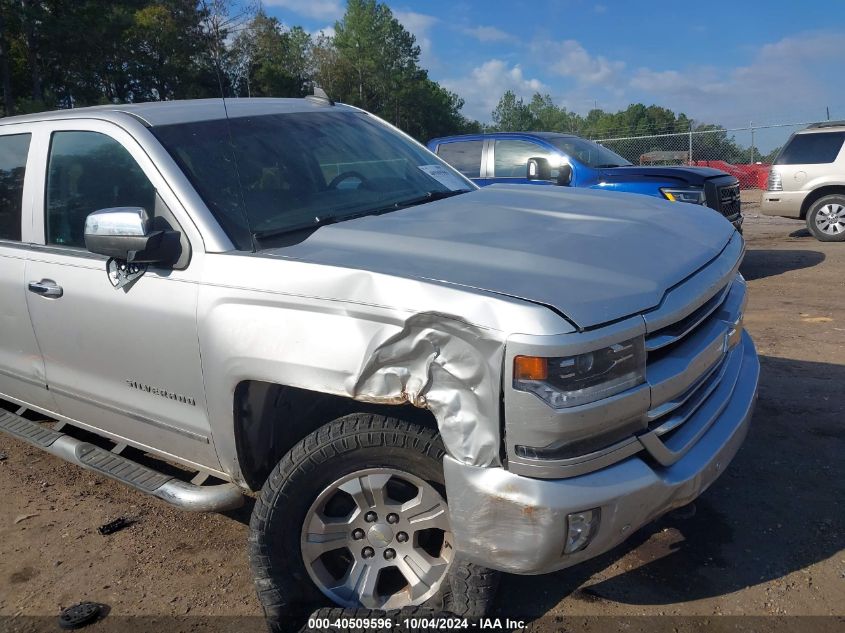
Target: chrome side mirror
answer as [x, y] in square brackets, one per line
[125, 236]
[124, 233]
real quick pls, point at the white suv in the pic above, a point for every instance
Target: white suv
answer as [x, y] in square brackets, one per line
[807, 180]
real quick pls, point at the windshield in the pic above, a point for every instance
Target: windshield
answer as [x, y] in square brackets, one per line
[587, 152]
[268, 175]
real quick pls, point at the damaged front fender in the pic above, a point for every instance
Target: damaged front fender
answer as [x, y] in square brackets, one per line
[445, 365]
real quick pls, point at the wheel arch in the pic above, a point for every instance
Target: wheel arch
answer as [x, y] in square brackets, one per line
[817, 194]
[270, 418]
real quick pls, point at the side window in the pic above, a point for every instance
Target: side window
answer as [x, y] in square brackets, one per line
[511, 158]
[812, 149]
[465, 156]
[88, 171]
[13, 151]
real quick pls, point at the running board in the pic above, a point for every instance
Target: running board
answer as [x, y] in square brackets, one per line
[186, 496]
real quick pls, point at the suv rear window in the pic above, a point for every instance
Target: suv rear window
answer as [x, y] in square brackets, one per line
[465, 156]
[811, 149]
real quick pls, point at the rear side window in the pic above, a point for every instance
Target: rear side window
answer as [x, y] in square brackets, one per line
[13, 151]
[88, 171]
[811, 149]
[465, 156]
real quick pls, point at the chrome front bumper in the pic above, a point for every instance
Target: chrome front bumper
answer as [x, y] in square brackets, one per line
[518, 524]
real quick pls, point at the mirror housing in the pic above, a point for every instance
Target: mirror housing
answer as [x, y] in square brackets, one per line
[538, 169]
[564, 176]
[125, 234]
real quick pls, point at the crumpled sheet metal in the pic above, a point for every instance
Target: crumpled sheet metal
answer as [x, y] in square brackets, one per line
[503, 521]
[447, 366]
[378, 338]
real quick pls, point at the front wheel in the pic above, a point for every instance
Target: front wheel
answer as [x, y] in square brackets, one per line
[355, 515]
[826, 218]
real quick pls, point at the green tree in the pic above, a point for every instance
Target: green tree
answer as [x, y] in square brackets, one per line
[512, 115]
[270, 60]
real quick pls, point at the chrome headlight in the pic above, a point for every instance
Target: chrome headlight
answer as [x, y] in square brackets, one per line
[567, 381]
[693, 196]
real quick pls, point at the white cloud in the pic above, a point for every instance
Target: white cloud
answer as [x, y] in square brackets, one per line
[489, 34]
[600, 8]
[486, 84]
[326, 31]
[573, 60]
[315, 9]
[419, 24]
[783, 81]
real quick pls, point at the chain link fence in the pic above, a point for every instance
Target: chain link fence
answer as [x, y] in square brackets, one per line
[745, 152]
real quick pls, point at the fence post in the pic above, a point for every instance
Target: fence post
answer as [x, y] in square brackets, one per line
[751, 125]
[690, 142]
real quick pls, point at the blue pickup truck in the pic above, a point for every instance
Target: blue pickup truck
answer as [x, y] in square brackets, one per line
[550, 158]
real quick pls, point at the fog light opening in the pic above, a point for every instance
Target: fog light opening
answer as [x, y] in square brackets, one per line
[581, 527]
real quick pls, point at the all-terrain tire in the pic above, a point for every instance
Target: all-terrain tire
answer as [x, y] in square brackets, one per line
[346, 445]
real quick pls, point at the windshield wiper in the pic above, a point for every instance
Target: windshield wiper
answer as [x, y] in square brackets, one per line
[260, 235]
[429, 196]
[609, 165]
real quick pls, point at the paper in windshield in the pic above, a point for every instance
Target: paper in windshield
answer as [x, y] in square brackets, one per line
[444, 176]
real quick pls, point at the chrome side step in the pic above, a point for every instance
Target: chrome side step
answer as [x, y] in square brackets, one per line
[181, 494]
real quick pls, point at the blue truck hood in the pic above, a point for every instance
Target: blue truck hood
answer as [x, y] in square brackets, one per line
[681, 175]
[591, 255]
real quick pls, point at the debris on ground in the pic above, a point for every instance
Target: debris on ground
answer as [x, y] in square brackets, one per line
[115, 526]
[80, 615]
[3, 456]
[23, 517]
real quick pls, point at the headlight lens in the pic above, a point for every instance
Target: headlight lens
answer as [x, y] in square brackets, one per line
[568, 381]
[693, 196]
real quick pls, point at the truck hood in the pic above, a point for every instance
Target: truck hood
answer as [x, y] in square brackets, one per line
[682, 175]
[591, 255]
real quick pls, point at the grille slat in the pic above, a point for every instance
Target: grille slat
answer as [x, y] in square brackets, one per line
[686, 364]
[673, 333]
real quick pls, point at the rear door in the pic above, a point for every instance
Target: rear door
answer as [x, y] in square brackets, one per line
[465, 156]
[22, 376]
[124, 362]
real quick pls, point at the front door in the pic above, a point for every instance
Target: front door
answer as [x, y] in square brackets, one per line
[510, 161]
[126, 361]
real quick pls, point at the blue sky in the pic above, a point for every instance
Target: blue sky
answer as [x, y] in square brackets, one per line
[722, 62]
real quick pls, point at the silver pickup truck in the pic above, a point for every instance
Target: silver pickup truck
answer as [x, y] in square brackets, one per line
[422, 381]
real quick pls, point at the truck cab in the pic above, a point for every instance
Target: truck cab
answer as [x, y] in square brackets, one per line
[551, 158]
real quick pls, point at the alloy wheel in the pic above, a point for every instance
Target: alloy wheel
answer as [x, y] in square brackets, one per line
[830, 219]
[378, 538]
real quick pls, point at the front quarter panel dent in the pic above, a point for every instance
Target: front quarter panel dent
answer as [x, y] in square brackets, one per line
[445, 365]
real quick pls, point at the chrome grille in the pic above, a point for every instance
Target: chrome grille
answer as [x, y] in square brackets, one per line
[686, 364]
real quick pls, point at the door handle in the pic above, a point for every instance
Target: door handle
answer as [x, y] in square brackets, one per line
[46, 288]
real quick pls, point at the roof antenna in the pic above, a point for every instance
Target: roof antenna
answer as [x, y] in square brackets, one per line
[319, 95]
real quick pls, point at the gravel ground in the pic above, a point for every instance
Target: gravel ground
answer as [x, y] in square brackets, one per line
[766, 539]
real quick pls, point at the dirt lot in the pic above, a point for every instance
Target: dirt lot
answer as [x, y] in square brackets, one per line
[766, 539]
